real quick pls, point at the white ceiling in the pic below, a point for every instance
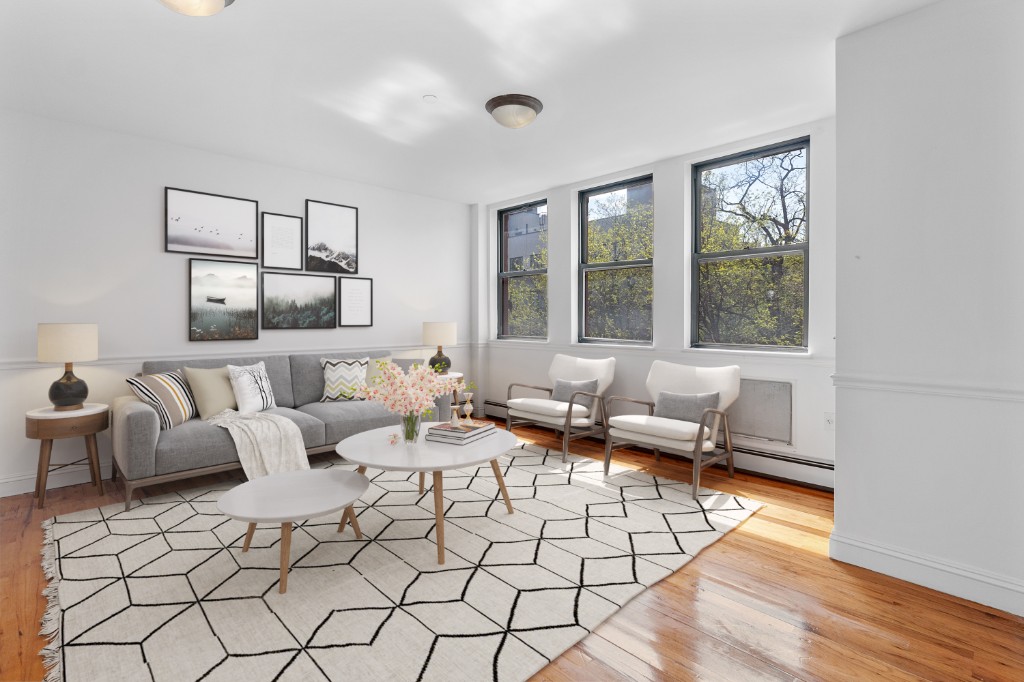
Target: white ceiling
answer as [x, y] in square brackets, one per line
[336, 87]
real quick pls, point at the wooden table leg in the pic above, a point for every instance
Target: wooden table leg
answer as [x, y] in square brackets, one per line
[94, 461]
[360, 470]
[422, 476]
[350, 515]
[439, 516]
[248, 537]
[286, 548]
[501, 484]
[45, 448]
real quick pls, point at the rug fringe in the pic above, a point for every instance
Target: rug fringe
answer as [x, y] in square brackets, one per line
[51, 622]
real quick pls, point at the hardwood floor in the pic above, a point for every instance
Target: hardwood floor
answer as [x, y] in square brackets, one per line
[765, 602]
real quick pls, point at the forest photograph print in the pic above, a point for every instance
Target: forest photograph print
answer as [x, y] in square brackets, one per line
[222, 300]
[209, 224]
[332, 238]
[298, 301]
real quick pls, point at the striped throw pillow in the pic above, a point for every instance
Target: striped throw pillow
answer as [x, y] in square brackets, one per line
[343, 379]
[167, 393]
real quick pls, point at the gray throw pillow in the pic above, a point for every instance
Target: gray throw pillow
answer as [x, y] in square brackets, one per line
[564, 390]
[685, 407]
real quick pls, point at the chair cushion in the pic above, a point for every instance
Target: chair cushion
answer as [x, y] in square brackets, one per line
[548, 408]
[670, 444]
[564, 389]
[556, 422]
[656, 426]
[684, 407]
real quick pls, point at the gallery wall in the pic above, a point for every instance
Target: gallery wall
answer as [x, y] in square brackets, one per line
[508, 360]
[83, 241]
[929, 382]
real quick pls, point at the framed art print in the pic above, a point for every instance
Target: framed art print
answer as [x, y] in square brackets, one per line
[332, 238]
[222, 300]
[281, 241]
[209, 224]
[299, 301]
[355, 302]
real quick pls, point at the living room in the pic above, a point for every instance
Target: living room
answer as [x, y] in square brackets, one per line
[105, 106]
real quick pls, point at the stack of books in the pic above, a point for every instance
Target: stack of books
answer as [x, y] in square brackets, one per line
[464, 433]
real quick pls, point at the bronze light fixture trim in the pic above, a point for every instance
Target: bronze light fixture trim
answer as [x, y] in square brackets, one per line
[514, 111]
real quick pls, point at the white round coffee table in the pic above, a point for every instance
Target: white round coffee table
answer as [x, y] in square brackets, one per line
[293, 496]
[373, 449]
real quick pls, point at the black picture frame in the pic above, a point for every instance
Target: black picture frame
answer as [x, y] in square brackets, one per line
[206, 224]
[291, 301]
[332, 238]
[281, 239]
[231, 284]
[355, 302]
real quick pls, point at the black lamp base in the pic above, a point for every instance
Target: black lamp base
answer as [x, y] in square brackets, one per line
[440, 362]
[68, 392]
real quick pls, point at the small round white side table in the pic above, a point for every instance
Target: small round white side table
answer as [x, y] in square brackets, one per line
[47, 424]
[293, 496]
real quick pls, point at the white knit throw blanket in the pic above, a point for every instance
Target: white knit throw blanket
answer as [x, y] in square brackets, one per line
[266, 443]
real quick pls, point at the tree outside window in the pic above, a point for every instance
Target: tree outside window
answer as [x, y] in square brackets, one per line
[522, 271]
[616, 262]
[751, 249]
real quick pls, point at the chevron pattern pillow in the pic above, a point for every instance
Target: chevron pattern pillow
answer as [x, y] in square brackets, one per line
[167, 393]
[343, 379]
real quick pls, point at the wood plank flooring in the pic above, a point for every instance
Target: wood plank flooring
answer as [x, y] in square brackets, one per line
[763, 603]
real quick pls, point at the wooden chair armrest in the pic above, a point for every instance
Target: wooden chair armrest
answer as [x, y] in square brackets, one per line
[624, 399]
[538, 388]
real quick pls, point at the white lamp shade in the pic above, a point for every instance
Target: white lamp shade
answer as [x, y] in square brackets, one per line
[196, 8]
[63, 342]
[439, 333]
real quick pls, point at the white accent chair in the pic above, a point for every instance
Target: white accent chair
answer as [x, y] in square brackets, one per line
[692, 439]
[572, 419]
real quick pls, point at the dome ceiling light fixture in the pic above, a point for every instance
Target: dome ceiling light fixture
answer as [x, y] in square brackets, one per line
[514, 111]
[196, 8]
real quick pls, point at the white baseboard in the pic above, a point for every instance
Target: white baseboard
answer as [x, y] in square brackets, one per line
[999, 591]
[72, 475]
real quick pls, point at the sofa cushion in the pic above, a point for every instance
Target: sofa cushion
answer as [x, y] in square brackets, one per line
[278, 369]
[197, 444]
[252, 388]
[168, 393]
[347, 418]
[307, 377]
[343, 379]
[211, 389]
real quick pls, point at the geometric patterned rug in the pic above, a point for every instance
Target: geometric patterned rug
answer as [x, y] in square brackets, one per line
[163, 591]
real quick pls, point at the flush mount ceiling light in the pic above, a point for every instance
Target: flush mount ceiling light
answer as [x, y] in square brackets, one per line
[196, 8]
[514, 111]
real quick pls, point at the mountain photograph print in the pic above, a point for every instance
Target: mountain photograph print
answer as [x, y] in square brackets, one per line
[222, 300]
[299, 301]
[332, 238]
[209, 224]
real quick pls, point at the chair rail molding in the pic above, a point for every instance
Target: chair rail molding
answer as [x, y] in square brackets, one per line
[918, 386]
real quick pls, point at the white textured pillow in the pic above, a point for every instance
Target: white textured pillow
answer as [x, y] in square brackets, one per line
[252, 387]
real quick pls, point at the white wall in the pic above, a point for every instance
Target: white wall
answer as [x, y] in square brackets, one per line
[527, 361]
[82, 219]
[930, 386]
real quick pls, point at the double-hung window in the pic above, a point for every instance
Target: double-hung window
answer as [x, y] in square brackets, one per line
[616, 285]
[523, 271]
[750, 249]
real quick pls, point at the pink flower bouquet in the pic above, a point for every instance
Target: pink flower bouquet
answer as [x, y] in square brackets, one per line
[410, 394]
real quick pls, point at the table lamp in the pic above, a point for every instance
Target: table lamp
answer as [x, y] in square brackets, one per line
[67, 343]
[439, 334]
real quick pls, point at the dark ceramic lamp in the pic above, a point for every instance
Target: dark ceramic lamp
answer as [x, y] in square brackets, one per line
[67, 343]
[439, 334]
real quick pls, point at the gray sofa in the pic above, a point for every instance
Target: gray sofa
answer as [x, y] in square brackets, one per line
[145, 455]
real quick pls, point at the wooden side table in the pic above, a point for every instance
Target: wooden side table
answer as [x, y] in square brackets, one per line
[47, 424]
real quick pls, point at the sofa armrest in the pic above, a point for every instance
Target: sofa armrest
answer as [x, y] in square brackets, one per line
[134, 431]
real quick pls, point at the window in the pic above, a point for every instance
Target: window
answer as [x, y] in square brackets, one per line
[523, 271]
[616, 262]
[750, 249]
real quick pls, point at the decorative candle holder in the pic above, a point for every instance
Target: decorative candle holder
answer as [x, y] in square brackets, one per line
[468, 407]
